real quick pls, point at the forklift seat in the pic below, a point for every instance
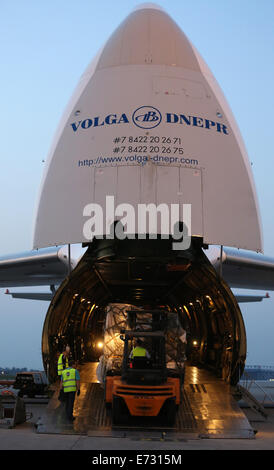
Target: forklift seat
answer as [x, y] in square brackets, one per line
[140, 363]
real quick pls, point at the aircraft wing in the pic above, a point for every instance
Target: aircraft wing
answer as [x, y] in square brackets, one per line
[244, 269]
[46, 296]
[48, 266]
[251, 298]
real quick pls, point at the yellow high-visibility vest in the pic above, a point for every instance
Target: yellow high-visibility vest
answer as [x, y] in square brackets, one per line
[139, 352]
[60, 364]
[69, 380]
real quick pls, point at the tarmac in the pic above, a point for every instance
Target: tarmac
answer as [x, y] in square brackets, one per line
[25, 437]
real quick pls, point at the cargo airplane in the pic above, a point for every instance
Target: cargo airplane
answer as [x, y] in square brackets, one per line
[147, 124]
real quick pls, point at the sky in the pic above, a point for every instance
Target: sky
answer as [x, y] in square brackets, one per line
[45, 47]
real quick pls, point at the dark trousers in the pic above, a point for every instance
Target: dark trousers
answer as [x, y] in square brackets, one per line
[70, 397]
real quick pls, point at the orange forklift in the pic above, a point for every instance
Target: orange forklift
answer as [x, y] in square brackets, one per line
[145, 388]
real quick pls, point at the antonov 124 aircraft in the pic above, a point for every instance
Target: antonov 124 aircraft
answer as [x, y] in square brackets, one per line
[147, 124]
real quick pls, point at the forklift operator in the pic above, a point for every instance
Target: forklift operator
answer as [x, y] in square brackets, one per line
[139, 351]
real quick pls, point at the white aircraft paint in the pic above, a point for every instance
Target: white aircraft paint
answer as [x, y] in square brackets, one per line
[148, 123]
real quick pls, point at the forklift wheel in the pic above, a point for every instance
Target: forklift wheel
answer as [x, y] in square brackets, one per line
[168, 413]
[119, 411]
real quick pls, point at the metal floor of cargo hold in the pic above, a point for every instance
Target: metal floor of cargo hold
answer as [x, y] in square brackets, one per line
[208, 410]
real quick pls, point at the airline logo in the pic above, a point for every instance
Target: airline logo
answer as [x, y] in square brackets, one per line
[148, 117]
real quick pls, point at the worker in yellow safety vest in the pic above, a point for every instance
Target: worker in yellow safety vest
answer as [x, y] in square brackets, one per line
[139, 350]
[70, 382]
[63, 360]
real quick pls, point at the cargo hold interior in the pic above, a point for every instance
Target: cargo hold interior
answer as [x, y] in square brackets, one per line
[149, 274]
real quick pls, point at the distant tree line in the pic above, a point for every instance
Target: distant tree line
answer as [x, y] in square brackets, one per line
[11, 371]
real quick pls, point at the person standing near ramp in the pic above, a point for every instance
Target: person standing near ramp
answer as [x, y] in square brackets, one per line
[63, 360]
[70, 383]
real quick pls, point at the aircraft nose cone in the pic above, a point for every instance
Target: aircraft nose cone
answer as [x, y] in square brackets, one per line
[148, 6]
[148, 36]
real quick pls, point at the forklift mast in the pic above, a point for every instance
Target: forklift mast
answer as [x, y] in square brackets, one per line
[159, 320]
[152, 331]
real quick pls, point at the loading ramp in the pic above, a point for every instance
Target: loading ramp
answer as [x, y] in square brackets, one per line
[12, 410]
[208, 410]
